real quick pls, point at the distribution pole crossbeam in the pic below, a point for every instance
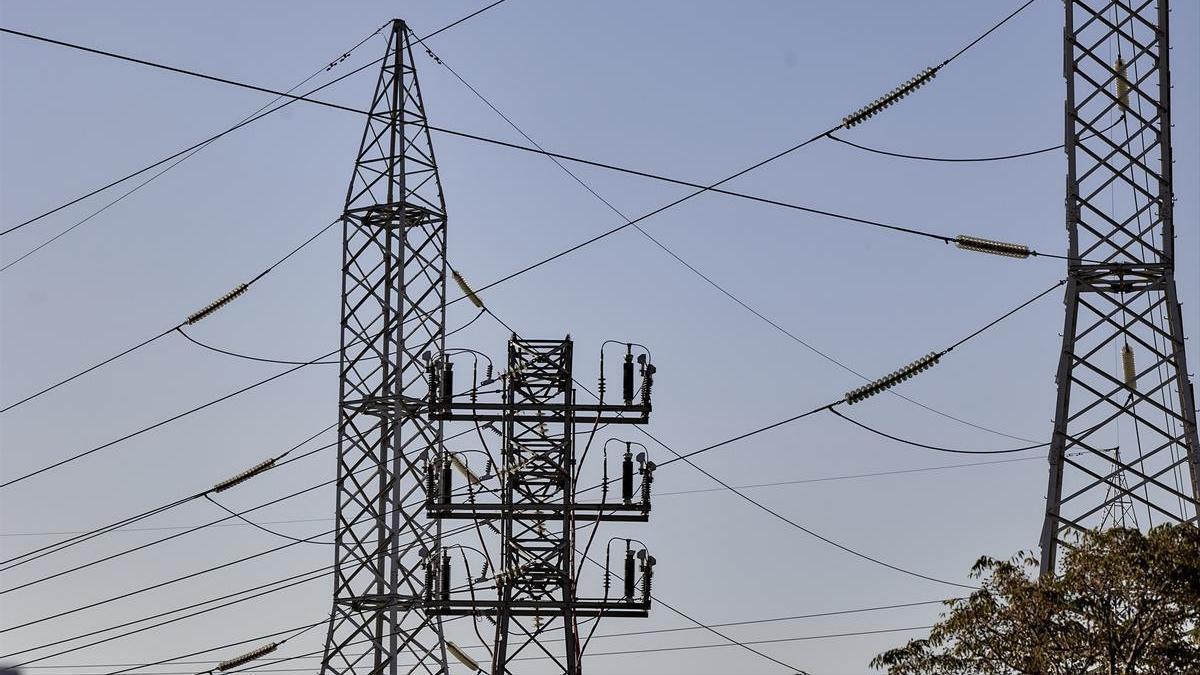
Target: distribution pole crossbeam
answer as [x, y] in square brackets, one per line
[393, 313]
[1125, 442]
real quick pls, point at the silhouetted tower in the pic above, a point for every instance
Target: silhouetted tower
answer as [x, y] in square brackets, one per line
[393, 313]
[1123, 436]
[531, 501]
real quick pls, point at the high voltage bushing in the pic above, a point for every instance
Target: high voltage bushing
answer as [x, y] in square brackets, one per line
[875, 107]
[244, 476]
[981, 245]
[888, 381]
[247, 657]
[217, 304]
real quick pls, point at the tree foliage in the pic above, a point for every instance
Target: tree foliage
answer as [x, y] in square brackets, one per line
[1125, 603]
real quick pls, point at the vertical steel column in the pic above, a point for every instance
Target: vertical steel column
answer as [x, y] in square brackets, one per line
[1123, 433]
[538, 552]
[393, 313]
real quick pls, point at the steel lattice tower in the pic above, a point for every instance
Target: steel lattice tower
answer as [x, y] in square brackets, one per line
[393, 313]
[533, 593]
[1125, 420]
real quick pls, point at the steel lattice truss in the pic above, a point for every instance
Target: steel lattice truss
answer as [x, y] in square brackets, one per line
[1124, 445]
[539, 553]
[532, 591]
[393, 313]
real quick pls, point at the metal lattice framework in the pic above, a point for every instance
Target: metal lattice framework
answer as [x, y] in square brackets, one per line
[393, 313]
[1125, 444]
[533, 595]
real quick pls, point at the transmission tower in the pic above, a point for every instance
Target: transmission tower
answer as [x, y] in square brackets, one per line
[393, 312]
[1124, 436]
[530, 499]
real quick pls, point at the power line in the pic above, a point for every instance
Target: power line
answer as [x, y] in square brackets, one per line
[182, 154]
[123, 523]
[925, 158]
[650, 650]
[872, 474]
[655, 631]
[187, 321]
[663, 246]
[700, 189]
[279, 95]
[179, 157]
[935, 447]
[686, 457]
[151, 427]
[800, 481]
[124, 552]
[538, 150]
[293, 581]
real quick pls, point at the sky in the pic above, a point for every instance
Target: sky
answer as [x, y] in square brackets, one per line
[693, 90]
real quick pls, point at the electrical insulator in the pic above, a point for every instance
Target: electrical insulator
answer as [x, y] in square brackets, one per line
[462, 657]
[604, 479]
[514, 468]
[217, 304]
[1122, 85]
[1130, 368]
[888, 381]
[243, 476]
[435, 386]
[431, 487]
[980, 245]
[447, 486]
[471, 295]
[627, 476]
[445, 576]
[627, 379]
[647, 383]
[429, 577]
[647, 574]
[875, 107]
[601, 385]
[630, 574]
[461, 467]
[647, 479]
[448, 382]
[247, 657]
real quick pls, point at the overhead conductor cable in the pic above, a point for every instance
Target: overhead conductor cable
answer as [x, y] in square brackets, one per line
[888, 381]
[875, 107]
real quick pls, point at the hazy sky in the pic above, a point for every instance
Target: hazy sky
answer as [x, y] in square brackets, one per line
[688, 89]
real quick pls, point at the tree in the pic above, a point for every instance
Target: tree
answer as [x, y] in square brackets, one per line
[1125, 603]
